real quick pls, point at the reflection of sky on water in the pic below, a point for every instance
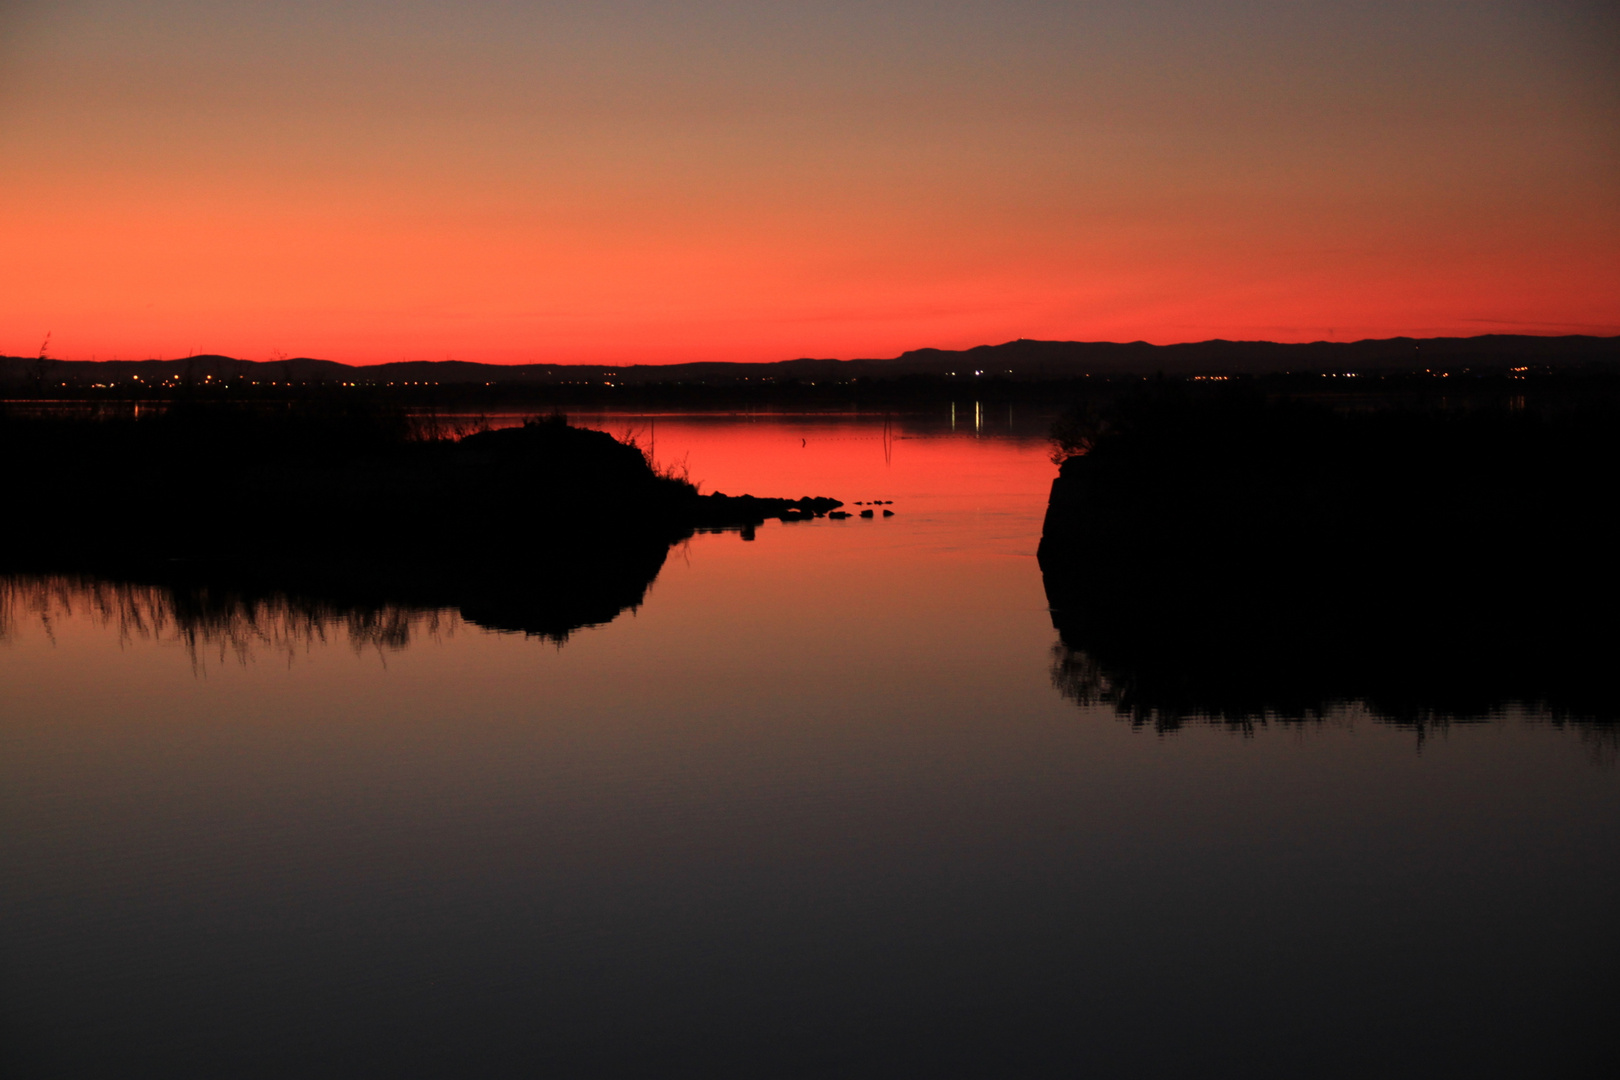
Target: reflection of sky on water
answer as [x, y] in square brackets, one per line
[815, 802]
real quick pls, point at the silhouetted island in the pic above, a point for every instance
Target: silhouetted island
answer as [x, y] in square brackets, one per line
[344, 505]
[1217, 553]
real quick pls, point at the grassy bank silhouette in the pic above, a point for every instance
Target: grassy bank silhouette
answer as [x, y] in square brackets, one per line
[1220, 553]
[350, 504]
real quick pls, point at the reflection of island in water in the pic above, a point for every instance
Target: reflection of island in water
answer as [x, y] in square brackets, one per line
[1232, 560]
[225, 609]
[208, 623]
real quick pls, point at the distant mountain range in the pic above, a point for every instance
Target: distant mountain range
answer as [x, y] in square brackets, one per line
[1021, 360]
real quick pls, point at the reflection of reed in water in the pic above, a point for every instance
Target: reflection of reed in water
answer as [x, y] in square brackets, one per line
[1145, 701]
[212, 621]
[1089, 683]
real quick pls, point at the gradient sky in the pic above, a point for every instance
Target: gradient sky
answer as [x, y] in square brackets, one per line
[631, 181]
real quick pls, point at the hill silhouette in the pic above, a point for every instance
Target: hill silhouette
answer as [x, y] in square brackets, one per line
[1021, 360]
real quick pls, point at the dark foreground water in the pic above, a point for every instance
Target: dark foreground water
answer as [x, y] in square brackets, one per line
[819, 807]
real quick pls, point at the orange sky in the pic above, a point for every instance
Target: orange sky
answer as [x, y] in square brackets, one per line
[650, 182]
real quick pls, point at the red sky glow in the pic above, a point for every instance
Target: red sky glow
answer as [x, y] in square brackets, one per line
[633, 182]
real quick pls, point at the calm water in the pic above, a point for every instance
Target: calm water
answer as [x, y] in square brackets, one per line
[816, 807]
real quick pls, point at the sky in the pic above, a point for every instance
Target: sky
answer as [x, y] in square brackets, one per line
[648, 182]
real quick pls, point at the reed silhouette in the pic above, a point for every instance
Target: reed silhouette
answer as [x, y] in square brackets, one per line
[1224, 555]
[347, 504]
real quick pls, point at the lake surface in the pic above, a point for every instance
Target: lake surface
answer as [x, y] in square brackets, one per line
[817, 807]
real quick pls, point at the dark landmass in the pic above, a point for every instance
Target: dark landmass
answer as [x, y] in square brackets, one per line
[342, 505]
[1214, 553]
[1015, 370]
[1042, 360]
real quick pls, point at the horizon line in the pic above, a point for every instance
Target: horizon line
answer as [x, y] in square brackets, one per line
[1137, 343]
